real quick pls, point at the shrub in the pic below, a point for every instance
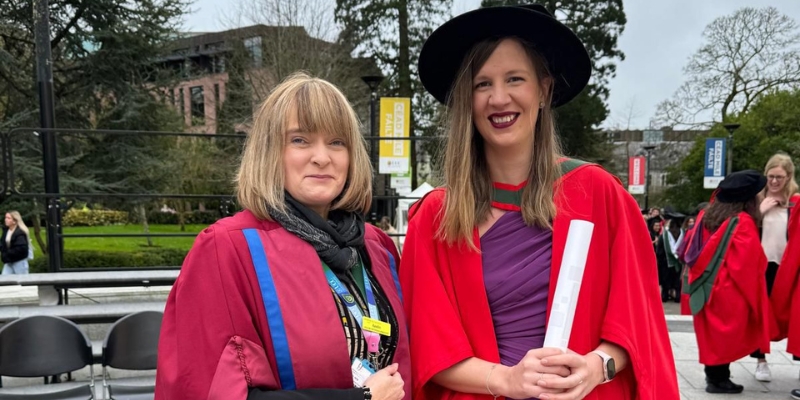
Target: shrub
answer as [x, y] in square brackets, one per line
[103, 259]
[162, 218]
[201, 217]
[76, 217]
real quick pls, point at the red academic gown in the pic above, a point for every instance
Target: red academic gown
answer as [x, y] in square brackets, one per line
[735, 320]
[785, 295]
[215, 338]
[448, 311]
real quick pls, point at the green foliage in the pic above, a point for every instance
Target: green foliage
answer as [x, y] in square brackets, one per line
[195, 217]
[598, 23]
[75, 217]
[772, 125]
[392, 33]
[157, 257]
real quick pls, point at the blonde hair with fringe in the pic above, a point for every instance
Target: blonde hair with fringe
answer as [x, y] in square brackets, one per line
[320, 107]
[466, 172]
[17, 217]
[783, 161]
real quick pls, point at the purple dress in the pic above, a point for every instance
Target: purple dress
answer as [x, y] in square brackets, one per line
[516, 272]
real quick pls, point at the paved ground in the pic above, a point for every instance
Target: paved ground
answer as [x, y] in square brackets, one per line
[690, 373]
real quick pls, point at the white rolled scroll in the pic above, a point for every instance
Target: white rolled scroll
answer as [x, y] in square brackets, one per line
[565, 299]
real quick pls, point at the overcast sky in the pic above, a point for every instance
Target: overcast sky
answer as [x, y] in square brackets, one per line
[658, 40]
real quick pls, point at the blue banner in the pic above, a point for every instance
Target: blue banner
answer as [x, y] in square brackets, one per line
[714, 167]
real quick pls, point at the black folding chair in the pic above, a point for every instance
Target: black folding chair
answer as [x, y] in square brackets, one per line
[132, 344]
[41, 346]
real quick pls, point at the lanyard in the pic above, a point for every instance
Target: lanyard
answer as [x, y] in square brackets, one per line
[349, 300]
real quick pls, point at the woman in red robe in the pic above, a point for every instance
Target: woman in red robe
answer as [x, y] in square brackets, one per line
[726, 286]
[482, 255]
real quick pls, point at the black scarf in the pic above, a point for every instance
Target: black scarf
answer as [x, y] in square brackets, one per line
[337, 240]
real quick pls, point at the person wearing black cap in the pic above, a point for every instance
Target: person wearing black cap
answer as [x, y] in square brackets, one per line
[726, 286]
[669, 266]
[482, 255]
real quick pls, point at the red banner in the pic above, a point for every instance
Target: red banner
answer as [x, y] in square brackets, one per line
[637, 167]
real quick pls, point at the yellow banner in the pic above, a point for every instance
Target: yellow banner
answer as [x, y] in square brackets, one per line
[395, 121]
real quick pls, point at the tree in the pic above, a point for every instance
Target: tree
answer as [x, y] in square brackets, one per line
[392, 33]
[771, 125]
[598, 24]
[102, 60]
[745, 55]
[298, 35]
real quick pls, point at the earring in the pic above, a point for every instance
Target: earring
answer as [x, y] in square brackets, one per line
[541, 104]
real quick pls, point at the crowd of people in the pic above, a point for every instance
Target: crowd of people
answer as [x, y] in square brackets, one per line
[723, 266]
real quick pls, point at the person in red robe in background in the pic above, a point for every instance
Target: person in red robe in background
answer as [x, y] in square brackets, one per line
[275, 302]
[726, 285]
[785, 296]
[482, 255]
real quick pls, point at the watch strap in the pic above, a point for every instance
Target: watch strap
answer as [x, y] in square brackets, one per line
[605, 358]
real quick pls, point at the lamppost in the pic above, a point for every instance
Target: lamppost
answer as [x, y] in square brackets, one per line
[731, 128]
[44, 76]
[648, 148]
[373, 81]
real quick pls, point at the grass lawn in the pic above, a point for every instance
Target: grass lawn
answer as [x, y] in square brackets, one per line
[125, 244]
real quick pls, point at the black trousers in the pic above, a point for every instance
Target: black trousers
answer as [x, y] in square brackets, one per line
[772, 271]
[718, 373]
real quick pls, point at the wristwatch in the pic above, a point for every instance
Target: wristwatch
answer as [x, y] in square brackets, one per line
[367, 393]
[609, 367]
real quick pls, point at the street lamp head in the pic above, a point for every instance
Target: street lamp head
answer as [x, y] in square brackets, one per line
[372, 81]
[649, 147]
[731, 127]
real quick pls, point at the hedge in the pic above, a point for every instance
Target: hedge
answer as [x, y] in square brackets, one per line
[76, 217]
[157, 257]
[190, 217]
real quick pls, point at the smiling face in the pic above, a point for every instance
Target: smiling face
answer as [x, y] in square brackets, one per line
[315, 166]
[506, 98]
[776, 181]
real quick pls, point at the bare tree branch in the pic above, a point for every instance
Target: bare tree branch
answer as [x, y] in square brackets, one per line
[746, 54]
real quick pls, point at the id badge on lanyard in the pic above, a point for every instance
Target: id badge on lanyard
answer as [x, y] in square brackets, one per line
[372, 328]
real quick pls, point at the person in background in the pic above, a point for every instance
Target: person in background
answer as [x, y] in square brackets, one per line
[14, 245]
[728, 294]
[781, 190]
[669, 266]
[294, 297]
[688, 224]
[482, 255]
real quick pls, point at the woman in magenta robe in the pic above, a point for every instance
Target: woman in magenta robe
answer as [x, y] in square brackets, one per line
[295, 297]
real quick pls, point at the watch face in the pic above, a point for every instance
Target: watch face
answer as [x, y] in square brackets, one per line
[611, 367]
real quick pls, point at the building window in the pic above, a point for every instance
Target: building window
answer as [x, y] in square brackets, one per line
[253, 46]
[181, 101]
[216, 96]
[172, 97]
[198, 106]
[218, 65]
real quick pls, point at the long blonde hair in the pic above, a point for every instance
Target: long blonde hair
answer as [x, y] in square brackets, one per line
[320, 107]
[466, 172]
[17, 217]
[785, 162]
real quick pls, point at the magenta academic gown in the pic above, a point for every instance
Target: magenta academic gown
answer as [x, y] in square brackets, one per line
[215, 339]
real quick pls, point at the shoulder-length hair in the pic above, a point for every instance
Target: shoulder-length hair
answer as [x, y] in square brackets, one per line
[17, 217]
[466, 172]
[320, 107]
[783, 161]
[717, 212]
